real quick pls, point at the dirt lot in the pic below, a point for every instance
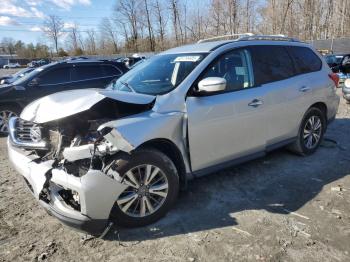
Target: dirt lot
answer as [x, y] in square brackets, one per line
[278, 208]
[4, 72]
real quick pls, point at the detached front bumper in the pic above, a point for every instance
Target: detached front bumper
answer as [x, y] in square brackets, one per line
[97, 191]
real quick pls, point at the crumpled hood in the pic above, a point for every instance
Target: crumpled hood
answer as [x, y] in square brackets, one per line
[67, 103]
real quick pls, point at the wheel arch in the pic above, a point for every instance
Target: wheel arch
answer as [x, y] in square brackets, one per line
[169, 148]
[323, 107]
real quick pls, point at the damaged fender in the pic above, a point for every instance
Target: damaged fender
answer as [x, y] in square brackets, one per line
[133, 131]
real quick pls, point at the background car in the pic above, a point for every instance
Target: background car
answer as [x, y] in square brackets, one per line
[38, 63]
[52, 78]
[11, 65]
[346, 90]
[334, 61]
[130, 61]
[344, 69]
[11, 78]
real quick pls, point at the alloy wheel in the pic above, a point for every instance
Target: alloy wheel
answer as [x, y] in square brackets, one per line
[147, 191]
[312, 132]
[5, 116]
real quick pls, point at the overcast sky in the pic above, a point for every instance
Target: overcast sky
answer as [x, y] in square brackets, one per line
[22, 19]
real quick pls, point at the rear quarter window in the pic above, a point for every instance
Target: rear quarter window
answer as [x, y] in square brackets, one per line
[87, 72]
[306, 61]
[271, 63]
[111, 70]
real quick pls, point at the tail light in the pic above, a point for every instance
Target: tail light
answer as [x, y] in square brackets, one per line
[335, 78]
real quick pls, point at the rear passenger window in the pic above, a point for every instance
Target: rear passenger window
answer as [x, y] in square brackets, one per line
[271, 63]
[305, 59]
[85, 72]
[110, 70]
[55, 76]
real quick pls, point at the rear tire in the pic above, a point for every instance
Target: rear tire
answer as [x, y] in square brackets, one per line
[150, 201]
[311, 132]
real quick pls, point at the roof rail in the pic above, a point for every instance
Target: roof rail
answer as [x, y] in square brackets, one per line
[269, 38]
[223, 37]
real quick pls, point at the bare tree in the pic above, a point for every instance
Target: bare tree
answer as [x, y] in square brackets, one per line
[149, 26]
[53, 27]
[161, 21]
[91, 41]
[232, 14]
[289, 3]
[8, 44]
[74, 37]
[175, 18]
[106, 26]
[127, 14]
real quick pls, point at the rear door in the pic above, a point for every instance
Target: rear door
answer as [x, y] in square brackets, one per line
[274, 71]
[93, 75]
[288, 91]
[87, 75]
[311, 81]
[230, 124]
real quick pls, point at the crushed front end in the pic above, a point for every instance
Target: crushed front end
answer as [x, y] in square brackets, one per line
[67, 167]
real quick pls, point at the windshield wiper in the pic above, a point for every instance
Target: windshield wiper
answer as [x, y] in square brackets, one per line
[128, 86]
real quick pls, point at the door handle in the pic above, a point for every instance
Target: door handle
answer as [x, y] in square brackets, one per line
[304, 89]
[255, 103]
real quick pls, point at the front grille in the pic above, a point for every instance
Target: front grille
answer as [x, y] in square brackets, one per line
[25, 134]
[23, 129]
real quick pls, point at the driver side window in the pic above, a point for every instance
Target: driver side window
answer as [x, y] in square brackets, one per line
[55, 76]
[235, 67]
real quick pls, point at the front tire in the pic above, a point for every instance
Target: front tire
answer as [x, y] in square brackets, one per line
[153, 188]
[311, 132]
[6, 112]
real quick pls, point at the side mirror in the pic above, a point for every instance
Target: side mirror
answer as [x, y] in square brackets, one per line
[347, 83]
[212, 84]
[34, 82]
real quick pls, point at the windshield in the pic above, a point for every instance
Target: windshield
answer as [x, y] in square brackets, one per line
[157, 75]
[27, 76]
[19, 74]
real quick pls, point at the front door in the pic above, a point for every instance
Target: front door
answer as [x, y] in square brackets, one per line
[49, 82]
[231, 124]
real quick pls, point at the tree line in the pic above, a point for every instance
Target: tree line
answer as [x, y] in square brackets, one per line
[156, 25]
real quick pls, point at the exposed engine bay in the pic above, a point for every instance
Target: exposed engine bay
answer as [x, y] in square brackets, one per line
[75, 142]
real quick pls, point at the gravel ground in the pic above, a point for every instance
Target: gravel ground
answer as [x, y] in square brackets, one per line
[278, 208]
[4, 72]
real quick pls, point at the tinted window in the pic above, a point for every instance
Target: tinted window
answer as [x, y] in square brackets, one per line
[55, 76]
[234, 67]
[305, 59]
[83, 72]
[110, 70]
[271, 63]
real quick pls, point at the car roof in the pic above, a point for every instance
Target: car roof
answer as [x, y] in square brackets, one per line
[207, 47]
[198, 47]
[82, 61]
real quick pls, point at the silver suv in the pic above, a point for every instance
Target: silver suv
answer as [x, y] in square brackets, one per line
[120, 155]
